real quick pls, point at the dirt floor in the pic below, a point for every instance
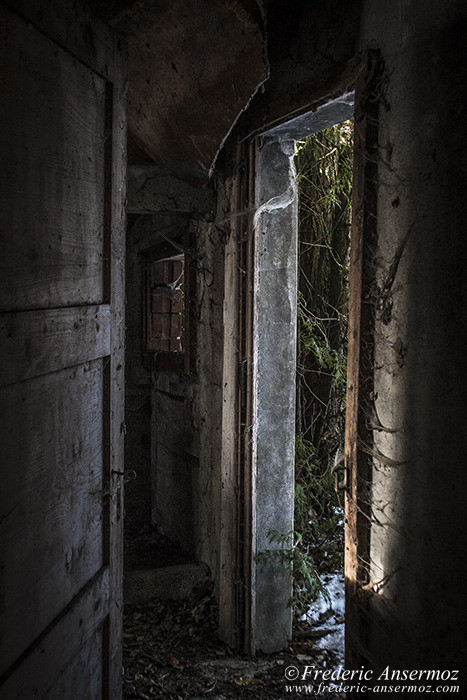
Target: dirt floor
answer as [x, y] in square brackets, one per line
[171, 650]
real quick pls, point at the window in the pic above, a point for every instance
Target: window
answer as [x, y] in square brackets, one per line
[165, 305]
[168, 288]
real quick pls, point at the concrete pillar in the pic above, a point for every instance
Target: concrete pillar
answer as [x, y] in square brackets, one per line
[275, 368]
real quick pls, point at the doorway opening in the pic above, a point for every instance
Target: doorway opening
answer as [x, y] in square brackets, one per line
[277, 285]
[324, 165]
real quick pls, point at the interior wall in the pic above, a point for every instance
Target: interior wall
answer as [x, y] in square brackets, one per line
[141, 380]
[417, 596]
[174, 457]
[137, 383]
[209, 266]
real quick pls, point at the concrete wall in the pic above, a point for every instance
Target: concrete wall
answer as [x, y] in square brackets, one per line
[142, 233]
[208, 421]
[174, 458]
[137, 384]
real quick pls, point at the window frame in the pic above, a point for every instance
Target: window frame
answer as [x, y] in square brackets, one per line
[180, 361]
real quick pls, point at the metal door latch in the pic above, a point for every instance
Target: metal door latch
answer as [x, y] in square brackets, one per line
[128, 475]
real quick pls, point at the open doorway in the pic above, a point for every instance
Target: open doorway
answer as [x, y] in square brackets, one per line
[324, 165]
[273, 383]
[271, 458]
[257, 225]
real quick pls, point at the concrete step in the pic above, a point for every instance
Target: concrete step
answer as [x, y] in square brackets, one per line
[142, 585]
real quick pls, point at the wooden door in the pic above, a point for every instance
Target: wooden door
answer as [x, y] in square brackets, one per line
[62, 128]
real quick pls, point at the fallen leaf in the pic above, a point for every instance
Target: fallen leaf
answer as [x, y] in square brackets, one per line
[249, 681]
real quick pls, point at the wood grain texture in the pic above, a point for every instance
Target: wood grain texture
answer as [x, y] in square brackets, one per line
[51, 499]
[68, 653]
[353, 367]
[360, 358]
[51, 181]
[73, 681]
[237, 551]
[71, 27]
[33, 343]
[62, 191]
[117, 191]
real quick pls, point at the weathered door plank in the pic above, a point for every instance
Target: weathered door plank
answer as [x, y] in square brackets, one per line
[33, 343]
[53, 147]
[62, 192]
[360, 362]
[60, 645]
[51, 498]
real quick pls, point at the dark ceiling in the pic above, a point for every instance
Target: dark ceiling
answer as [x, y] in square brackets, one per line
[194, 65]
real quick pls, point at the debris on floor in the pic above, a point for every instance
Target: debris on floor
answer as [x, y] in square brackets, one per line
[171, 650]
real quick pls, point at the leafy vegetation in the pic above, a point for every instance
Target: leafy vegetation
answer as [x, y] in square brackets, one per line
[294, 556]
[324, 167]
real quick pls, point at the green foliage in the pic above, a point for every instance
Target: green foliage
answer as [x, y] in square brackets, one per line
[314, 341]
[292, 555]
[324, 173]
[318, 509]
[324, 166]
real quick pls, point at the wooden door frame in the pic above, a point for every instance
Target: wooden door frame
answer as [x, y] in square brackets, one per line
[236, 571]
[116, 179]
[237, 605]
[360, 359]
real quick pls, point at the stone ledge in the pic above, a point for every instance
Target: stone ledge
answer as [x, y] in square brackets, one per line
[179, 581]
